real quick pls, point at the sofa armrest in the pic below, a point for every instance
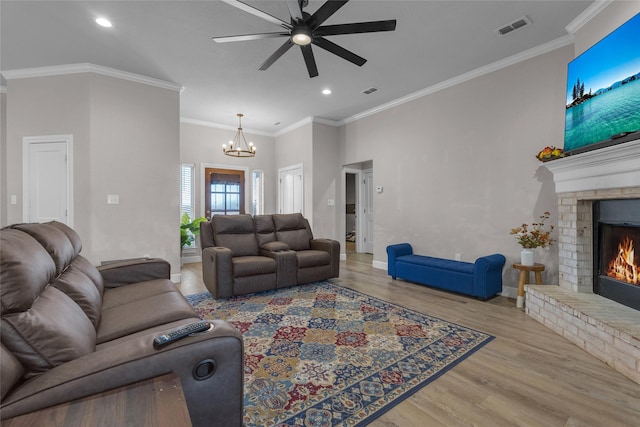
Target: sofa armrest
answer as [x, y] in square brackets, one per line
[275, 246]
[217, 399]
[217, 271]
[487, 275]
[122, 272]
[331, 246]
[393, 252]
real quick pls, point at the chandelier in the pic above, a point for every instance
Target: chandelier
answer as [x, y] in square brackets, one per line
[239, 147]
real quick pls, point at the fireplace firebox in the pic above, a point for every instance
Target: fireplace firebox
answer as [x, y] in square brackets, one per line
[617, 251]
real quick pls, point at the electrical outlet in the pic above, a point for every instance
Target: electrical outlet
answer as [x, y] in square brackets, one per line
[458, 257]
[113, 199]
[331, 202]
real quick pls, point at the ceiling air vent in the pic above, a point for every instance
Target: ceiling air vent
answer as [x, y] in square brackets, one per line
[370, 90]
[515, 25]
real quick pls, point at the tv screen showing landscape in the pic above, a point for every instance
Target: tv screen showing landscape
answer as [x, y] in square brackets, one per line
[603, 92]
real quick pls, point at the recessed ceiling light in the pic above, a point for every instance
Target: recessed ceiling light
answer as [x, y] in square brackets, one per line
[326, 91]
[103, 22]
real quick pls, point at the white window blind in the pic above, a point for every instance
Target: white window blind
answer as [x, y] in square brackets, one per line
[257, 191]
[186, 197]
[186, 189]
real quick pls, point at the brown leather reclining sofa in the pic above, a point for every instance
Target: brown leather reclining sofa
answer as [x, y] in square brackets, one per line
[70, 330]
[242, 254]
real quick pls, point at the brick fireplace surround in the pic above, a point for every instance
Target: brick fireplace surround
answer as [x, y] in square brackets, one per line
[604, 328]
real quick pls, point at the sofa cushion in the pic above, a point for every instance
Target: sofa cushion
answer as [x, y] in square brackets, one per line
[265, 231]
[36, 317]
[294, 230]
[253, 265]
[135, 292]
[445, 264]
[11, 371]
[82, 290]
[26, 270]
[119, 320]
[53, 331]
[312, 258]
[235, 232]
[54, 241]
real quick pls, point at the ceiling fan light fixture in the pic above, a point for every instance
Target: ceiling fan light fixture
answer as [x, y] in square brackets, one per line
[238, 147]
[301, 36]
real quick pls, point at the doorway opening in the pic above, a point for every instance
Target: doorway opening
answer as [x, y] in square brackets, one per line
[358, 209]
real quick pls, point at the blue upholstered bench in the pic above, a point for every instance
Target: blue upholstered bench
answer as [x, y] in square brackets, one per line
[482, 279]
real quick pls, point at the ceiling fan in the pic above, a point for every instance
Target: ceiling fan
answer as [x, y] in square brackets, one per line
[305, 29]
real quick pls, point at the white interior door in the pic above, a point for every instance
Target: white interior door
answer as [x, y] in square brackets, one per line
[46, 191]
[368, 211]
[291, 189]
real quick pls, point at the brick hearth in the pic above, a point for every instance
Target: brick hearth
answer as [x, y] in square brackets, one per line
[604, 328]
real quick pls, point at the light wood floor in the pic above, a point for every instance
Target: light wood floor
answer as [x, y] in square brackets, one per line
[527, 376]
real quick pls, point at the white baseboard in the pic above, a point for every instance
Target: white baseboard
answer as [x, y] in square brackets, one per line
[176, 278]
[343, 257]
[509, 292]
[379, 264]
[190, 259]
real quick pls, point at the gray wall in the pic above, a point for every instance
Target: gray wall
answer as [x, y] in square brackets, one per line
[296, 147]
[458, 166]
[327, 183]
[4, 200]
[201, 145]
[125, 142]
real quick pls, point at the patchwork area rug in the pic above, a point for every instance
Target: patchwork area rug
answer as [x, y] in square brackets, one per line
[324, 355]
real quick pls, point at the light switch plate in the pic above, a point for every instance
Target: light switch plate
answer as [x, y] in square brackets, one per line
[113, 199]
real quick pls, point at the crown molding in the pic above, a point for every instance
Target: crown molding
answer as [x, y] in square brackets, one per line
[294, 126]
[214, 125]
[478, 72]
[328, 122]
[58, 70]
[587, 15]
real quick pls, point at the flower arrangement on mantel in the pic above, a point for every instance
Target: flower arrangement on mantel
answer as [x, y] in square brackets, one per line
[550, 153]
[534, 235]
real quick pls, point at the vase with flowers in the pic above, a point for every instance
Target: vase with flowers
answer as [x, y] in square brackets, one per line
[533, 236]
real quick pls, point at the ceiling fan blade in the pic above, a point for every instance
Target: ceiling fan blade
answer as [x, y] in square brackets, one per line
[338, 50]
[294, 10]
[325, 11]
[277, 54]
[309, 60]
[245, 37]
[257, 12]
[355, 28]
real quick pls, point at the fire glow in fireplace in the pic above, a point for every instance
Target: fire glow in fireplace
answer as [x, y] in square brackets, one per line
[617, 249]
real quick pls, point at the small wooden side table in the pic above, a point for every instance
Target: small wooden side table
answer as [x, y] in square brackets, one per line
[524, 279]
[157, 402]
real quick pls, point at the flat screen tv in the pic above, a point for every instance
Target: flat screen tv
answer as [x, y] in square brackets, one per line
[603, 92]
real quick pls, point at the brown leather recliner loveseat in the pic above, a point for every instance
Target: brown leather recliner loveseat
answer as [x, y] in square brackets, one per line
[242, 254]
[71, 330]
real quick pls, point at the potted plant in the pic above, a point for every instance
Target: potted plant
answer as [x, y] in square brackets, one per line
[188, 229]
[533, 236]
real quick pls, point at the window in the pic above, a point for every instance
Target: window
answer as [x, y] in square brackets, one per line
[225, 192]
[257, 189]
[186, 197]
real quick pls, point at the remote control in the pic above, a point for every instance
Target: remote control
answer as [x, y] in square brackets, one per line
[182, 332]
